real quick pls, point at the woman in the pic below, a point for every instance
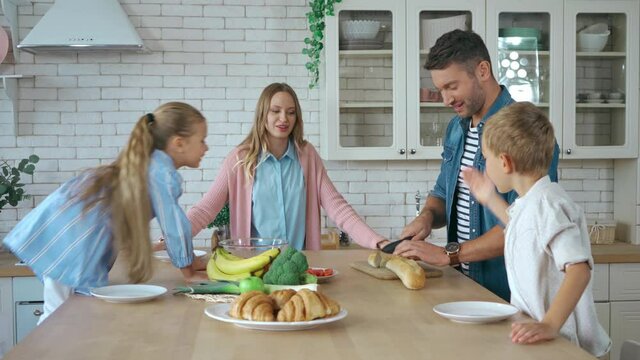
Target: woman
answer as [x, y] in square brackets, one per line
[275, 182]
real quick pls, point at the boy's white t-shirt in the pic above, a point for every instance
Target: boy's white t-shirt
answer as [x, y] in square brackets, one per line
[546, 232]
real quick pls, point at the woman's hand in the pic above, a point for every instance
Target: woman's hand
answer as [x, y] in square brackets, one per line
[532, 332]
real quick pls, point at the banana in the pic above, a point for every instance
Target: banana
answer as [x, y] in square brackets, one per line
[228, 254]
[214, 273]
[258, 272]
[230, 266]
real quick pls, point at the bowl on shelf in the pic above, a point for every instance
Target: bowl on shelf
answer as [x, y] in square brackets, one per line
[251, 247]
[593, 38]
[520, 38]
[359, 29]
[432, 29]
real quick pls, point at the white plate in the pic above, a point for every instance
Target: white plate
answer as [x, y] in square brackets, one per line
[221, 312]
[128, 293]
[475, 311]
[322, 279]
[162, 255]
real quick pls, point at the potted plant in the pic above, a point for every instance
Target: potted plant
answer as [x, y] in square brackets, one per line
[11, 189]
[221, 223]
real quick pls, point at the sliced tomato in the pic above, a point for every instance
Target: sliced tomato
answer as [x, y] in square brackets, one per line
[327, 272]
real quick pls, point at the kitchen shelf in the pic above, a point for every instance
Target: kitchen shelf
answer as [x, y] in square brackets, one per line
[601, 105]
[601, 54]
[358, 105]
[10, 87]
[527, 52]
[366, 53]
[10, 11]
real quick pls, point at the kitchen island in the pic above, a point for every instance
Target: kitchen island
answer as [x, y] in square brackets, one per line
[385, 321]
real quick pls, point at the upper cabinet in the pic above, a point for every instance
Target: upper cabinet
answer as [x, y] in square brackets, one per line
[601, 79]
[570, 58]
[378, 102]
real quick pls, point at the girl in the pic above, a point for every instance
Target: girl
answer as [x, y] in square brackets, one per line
[71, 239]
[275, 182]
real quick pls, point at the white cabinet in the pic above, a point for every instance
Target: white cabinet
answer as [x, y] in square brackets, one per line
[378, 101]
[589, 94]
[6, 316]
[604, 127]
[27, 302]
[619, 310]
[372, 108]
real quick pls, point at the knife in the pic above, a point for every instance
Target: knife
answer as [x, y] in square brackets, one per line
[391, 247]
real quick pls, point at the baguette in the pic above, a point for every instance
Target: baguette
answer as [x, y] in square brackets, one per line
[410, 273]
[379, 259]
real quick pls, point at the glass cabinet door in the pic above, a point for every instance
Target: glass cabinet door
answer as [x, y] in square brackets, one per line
[365, 83]
[427, 115]
[601, 80]
[526, 53]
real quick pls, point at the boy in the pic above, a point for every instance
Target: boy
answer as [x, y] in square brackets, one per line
[547, 251]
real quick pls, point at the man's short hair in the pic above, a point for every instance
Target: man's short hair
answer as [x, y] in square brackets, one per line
[457, 47]
[523, 132]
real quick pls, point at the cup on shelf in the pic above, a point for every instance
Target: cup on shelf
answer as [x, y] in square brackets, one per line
[430, 95]
[594, 96]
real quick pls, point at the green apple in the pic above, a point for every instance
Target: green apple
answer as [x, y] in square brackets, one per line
[251, 283]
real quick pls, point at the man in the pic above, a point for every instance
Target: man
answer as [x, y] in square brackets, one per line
[461, 69]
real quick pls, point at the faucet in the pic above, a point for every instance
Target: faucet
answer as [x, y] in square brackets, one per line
[419, 197]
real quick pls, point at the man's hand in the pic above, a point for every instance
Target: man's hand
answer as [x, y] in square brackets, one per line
[422, 250]
[532, 332]
[418, 229]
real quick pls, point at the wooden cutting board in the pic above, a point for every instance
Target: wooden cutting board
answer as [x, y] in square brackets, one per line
[386, 274]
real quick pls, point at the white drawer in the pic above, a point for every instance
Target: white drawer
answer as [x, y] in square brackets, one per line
[27, 289]
[624, 282]
[600, 282]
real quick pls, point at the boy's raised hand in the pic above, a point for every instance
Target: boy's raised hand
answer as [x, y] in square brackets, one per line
[532, 332]
[481, 187]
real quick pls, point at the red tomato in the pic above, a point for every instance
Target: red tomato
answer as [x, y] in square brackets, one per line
[327, 272]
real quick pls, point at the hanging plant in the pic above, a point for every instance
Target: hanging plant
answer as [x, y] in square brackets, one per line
[315, 43]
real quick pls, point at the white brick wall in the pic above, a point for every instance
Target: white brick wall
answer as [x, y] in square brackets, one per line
[77, 109]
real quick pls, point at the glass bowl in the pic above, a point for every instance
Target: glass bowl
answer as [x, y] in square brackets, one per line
[251, 247]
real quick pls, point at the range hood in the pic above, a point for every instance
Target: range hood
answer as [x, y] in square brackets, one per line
[81, 25]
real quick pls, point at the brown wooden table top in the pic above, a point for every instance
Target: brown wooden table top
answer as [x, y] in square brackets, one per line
[385, 321]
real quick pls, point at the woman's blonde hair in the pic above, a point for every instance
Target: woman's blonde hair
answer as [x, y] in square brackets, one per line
[523, 132]
[121, 187]
[256, 141]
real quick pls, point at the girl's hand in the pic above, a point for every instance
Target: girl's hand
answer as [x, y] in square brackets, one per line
[532, 332]
[197, 276]
[481, 187]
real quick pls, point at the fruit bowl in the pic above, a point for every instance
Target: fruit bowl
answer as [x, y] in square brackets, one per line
[251, 247]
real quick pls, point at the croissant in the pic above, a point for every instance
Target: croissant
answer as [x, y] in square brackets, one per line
[307, 305]
[281, 297]
[254, 306]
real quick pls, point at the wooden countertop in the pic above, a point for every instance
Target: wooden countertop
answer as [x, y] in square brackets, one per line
[8, 266]
[616, 253]
[602, 254]
[385, 321]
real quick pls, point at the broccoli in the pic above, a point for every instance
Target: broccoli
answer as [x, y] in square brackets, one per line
[288, 268]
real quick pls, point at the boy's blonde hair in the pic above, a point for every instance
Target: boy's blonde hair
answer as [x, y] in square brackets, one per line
[256, 141]
[523, 132]
[121, 187]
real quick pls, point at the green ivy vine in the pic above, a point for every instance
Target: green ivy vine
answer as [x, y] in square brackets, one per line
[314, 44]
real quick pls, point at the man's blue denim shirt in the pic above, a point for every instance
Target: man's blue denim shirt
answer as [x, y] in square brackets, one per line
[489, 273]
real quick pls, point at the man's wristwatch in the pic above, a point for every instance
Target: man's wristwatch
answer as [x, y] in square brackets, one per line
[452, 249]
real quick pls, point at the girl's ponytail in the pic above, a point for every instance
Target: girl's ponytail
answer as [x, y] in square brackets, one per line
[131, 207]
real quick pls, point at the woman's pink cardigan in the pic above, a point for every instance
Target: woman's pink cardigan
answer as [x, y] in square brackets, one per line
[232, 185]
